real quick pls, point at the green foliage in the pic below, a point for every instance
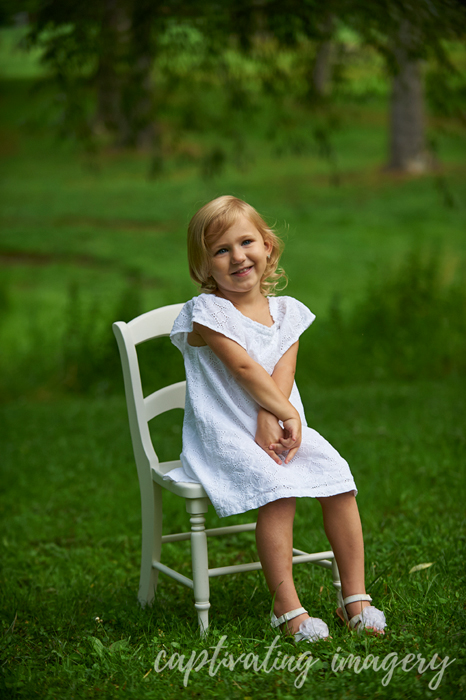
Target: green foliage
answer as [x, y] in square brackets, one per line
[410, 324]
[446, 91]
[196, 82]
[85, 358]
[89, 360]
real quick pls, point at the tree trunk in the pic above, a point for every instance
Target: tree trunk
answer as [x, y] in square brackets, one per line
[109, 78]
[322, 70]
[142, 131]
[139, 97]
[125, 101]
[408, 150]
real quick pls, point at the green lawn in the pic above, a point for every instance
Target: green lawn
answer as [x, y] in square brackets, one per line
[70, 549]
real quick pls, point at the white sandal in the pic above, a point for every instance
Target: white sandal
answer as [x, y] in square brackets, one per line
[312, 629]
[370, 618]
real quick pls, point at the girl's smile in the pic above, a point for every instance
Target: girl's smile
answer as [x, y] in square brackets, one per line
[244, 271]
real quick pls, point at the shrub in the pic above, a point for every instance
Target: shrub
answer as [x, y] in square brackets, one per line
[410, 324]
[90, 358]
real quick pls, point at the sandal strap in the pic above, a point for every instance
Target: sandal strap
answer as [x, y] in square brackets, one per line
[355, 621]
[286, 617]
[356, 598]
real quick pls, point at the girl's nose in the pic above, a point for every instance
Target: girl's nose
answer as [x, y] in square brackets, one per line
[237, 255]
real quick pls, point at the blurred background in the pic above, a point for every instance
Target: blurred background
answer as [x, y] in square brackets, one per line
[343, 124]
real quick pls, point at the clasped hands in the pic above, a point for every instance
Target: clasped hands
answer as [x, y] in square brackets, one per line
[276, 440]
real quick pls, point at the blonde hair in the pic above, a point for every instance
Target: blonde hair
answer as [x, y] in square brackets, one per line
[214, 219]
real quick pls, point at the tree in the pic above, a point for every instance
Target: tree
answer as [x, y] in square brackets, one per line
[113, 48]
[407, 33]
[322, 69]
[407, 138]
[101, 55]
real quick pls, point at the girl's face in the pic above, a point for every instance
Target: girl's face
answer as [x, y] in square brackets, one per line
[239, 258]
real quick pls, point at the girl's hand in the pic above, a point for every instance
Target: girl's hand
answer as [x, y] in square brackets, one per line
[270, 433]
[292, 439]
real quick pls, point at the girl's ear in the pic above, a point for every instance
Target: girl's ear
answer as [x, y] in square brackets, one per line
[268, 245]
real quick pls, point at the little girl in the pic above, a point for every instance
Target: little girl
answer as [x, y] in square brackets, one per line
[245, 437]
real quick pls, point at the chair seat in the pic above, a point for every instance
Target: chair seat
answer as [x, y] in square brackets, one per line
[180, 488]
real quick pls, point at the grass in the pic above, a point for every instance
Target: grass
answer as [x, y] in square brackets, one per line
[70, 548]
[86, 241]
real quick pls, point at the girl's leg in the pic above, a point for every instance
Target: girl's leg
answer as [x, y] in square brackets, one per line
[342, 526]
[274, 538]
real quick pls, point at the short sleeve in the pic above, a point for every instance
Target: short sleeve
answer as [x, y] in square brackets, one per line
[293, 318]
[212, 312]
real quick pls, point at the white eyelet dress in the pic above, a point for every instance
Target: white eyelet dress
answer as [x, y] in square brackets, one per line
[221, 417]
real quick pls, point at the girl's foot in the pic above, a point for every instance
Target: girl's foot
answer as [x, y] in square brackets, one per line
[301, 626]
[292, 626]
[357, 612]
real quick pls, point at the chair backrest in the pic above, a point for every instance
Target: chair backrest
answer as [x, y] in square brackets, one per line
[153, 324]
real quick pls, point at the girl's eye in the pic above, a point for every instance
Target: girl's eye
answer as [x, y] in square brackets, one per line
[247, 242]
[220, 251]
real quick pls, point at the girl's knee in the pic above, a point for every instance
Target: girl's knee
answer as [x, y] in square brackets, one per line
[278, 507]
[339, 499]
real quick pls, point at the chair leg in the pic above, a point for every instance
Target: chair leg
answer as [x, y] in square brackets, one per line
[151, 514]
[336, 574]
[200, 562]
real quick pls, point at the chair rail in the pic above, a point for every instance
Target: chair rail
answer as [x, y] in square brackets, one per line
[141, 327]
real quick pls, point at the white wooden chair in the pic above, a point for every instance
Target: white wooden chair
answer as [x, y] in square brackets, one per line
[141, 410]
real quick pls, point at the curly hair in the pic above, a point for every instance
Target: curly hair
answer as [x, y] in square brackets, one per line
[213, 220]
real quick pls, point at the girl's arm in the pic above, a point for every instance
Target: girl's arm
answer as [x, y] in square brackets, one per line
[269, 435]
[256, 381]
